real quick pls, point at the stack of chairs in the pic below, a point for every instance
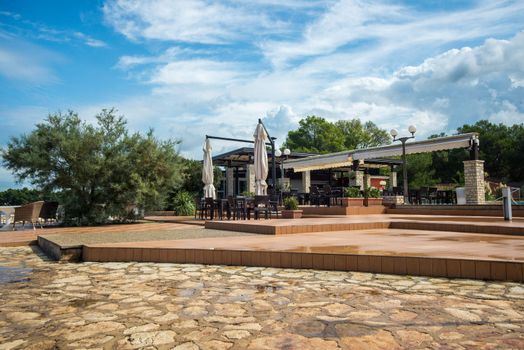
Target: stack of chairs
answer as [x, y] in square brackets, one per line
[35, 213]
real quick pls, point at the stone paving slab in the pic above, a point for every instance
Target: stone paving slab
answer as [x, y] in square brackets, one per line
[49, 305]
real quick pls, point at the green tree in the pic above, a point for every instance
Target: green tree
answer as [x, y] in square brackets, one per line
[420, 171]
[100, 170]
[501, 147]
[191, 183]
[20, 196]
[359, 135]
[315, 135]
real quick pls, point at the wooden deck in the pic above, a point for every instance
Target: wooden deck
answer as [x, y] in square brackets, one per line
[29, 236]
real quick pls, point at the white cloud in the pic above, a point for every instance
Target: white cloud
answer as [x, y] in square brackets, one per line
[194, 21]
[382, 29]
[89, 41]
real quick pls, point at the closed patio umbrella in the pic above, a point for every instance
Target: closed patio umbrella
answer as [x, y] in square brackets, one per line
[261, 166]
[207, 171]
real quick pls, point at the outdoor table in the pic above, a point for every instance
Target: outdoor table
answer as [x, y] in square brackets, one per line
[8, 210]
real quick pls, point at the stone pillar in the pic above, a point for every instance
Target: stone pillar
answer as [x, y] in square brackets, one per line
[230, 181]
[306, 181]
[358, 180]
[392, 180]
[250, 178]
[474, 181]
[367, 180]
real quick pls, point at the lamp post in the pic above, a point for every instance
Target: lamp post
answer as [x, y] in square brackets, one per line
[285, 153]
[412, 129]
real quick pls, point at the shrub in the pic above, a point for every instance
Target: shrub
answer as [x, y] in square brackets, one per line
[352, 192]
[248, 194]
[290, 203]
[183, 204]
[372, 192]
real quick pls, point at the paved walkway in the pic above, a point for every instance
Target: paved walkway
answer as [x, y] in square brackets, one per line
[49, 305]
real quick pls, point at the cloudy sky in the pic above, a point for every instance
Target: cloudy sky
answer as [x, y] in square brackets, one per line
[193, 67]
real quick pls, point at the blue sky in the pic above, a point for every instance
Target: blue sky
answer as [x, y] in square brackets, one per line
[190, 68]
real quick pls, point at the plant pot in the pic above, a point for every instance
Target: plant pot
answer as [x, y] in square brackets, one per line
[352, 201]
[374, 201]
[291, 214]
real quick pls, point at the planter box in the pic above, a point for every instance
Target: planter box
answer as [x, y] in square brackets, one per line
[352, 201]
[291, 214]
[374, 201]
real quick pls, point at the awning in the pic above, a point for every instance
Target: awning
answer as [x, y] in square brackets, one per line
[323, 161]
[345, 158]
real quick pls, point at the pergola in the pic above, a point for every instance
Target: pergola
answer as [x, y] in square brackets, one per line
[473, 168]
[239, 162]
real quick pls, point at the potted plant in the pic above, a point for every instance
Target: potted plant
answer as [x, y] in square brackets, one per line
[373, 195]
[291, 209]
[352, 197]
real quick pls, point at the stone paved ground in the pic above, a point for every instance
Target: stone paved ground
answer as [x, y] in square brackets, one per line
[48, 305]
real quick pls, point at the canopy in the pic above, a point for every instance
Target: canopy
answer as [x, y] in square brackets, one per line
[346, 158]
[261, 166]
[207, 171]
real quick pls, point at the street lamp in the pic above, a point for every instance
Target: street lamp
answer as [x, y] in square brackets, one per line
[412, 129]
[285, 153]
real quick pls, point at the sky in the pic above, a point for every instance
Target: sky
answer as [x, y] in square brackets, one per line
[196, 67]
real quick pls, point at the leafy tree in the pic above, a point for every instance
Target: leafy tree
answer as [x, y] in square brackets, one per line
[191, 182]
[358, 135]
[420, 171]
[100, 170]
[21, 196]
[502, 148]
[315, 135]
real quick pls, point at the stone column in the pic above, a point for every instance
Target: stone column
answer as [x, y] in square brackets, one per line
[392, 180]
[367, 180]
[474, 181]
[306, 181]
[230, 181]
[250, 178]
[358, 180]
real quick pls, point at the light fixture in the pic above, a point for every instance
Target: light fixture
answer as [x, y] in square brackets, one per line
[394, 132]
[287, 152]
[278, 153]
[412, 129]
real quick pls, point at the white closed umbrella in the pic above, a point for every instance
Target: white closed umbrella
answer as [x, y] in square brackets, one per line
[207, 171]
[261, 166]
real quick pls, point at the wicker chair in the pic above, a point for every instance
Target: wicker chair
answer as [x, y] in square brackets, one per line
[28, 213]
[48, 212]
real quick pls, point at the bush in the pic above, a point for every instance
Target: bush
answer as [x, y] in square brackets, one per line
[183, 204]
[248, 194]
[372, 192]
[352, 192]
[290, 203]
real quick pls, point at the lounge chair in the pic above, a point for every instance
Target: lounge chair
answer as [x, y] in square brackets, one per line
[48, 211]
[28, 213]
